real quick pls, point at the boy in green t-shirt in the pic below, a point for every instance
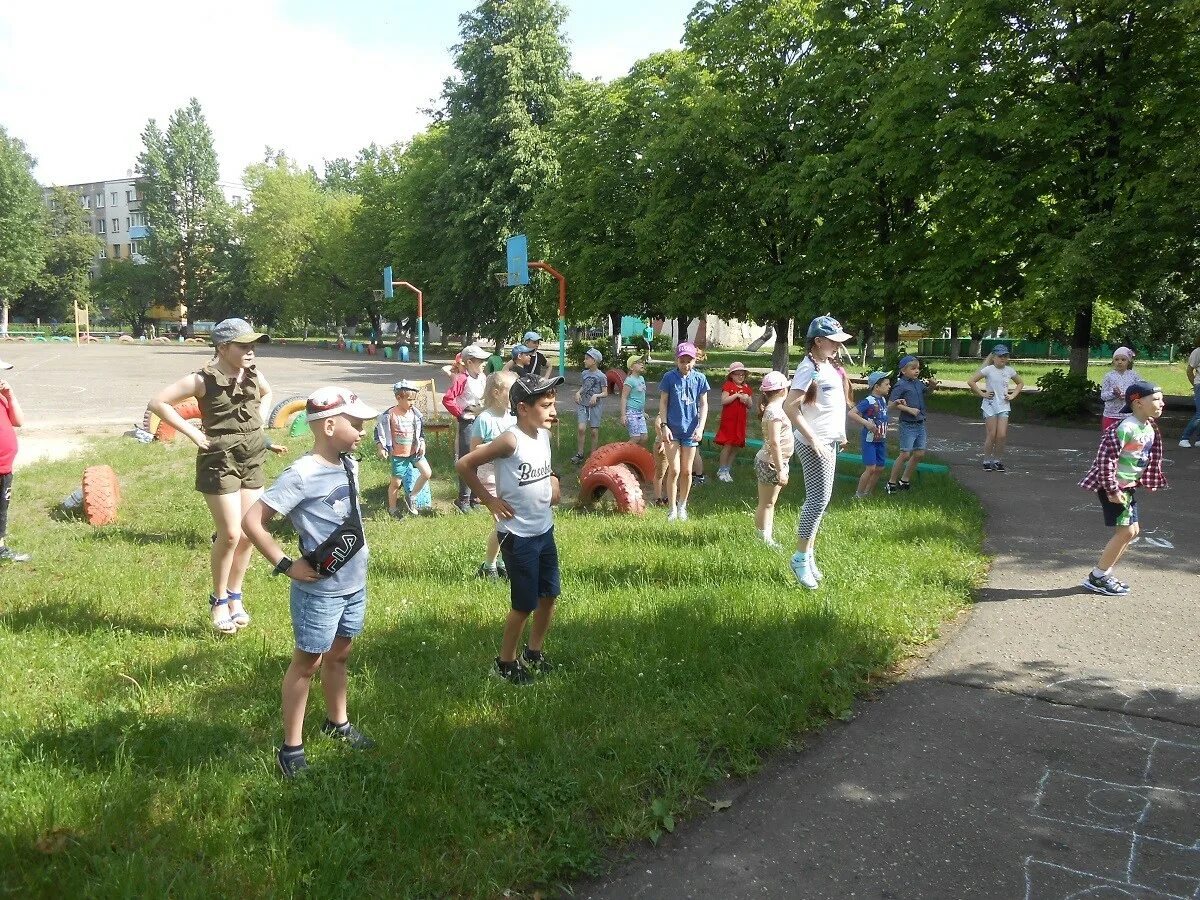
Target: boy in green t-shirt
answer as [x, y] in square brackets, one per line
[1129, 457]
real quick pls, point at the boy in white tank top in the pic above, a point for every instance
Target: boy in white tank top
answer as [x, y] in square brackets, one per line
[526, 489]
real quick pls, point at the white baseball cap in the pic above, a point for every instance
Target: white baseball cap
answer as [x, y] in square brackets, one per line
[335, 401]
[474, 351]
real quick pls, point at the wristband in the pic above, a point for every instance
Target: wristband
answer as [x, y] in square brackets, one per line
[281, 567]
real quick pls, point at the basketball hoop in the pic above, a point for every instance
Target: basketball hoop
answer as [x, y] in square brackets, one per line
[378, 296]
[505, 279]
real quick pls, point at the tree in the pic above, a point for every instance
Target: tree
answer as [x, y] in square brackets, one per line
[184, 206]
[70, 248]
[126, 291]
[22, 217]
[512, 67]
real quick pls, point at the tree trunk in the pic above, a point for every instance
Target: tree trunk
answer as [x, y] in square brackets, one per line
[377, 328]
[975, 350]
[4, 317]
[681, 325]
[865, 335]
[783, 341]
[614, 329]
[891, 330]
[955, 350]
[1081, 340]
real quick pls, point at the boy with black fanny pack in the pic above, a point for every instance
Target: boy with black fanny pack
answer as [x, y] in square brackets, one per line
[319, 495]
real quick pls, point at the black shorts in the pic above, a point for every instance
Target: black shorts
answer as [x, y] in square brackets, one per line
[532, 564]
[1117, 514]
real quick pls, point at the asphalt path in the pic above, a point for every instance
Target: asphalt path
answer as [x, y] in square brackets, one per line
[1049, 748]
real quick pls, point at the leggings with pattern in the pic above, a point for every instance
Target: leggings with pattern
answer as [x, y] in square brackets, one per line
[818, 487]
[5, 496]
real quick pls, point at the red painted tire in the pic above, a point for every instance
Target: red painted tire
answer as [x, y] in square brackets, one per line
[633, 455]
[618, 481]
[101, 495]
[616, 380]
[188, 409]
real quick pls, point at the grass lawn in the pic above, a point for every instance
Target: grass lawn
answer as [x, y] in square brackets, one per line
[136, 746]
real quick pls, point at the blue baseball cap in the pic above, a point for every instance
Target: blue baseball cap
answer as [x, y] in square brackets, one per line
[1137, 391]
[532, 336]
[519, 350]
[905, 360]
[595, 354]
[827, 327]
[875, 377]
[1000, 350]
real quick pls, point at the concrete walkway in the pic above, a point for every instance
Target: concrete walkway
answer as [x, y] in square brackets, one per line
[1050, 748]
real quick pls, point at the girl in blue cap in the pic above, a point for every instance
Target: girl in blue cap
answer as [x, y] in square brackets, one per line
[997, 403]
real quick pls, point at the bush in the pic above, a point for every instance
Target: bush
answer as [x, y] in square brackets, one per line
[1065, 396]
[606, 345]
[891, 365]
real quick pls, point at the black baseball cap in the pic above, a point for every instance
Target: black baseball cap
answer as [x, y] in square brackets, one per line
[530, 387]
[1137, 391]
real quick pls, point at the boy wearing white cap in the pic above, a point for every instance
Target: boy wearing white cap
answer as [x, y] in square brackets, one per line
[11, 418]
[464, 401]
[593, 386]
[400, 438]
[319, 495]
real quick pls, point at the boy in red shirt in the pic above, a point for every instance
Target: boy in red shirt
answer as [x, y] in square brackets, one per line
[11, 418]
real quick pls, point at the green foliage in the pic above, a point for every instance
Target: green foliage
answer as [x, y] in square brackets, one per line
[606, 345]
[124, 715]
[22, 217]
[126, 290]
[184, 207]
[1061, 395]
[70, 249]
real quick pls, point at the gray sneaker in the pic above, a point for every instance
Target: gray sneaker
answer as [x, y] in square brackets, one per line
[7, 554]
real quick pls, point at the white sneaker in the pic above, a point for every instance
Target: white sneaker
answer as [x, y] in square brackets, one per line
[772, 543]
[682, 514]
[1185, 443]
[673, 515]
[724, 475]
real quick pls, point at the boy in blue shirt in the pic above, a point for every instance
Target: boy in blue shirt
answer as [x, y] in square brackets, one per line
[872, 414]
[683, 408]
[908, 396]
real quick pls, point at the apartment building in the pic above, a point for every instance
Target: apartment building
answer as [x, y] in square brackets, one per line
[115, 216]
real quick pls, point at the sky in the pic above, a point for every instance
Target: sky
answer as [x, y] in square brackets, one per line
[319, 79]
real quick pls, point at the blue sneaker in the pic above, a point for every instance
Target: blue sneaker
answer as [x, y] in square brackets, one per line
[802, 572]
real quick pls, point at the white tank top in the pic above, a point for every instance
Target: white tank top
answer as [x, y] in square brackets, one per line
[523, 482]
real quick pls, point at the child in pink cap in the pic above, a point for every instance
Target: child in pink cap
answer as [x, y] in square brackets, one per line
[736, 396]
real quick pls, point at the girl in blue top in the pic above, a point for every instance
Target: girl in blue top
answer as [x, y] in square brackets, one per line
[683, 408]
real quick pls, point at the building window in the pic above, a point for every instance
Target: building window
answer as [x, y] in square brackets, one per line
[101, 226]
[127, 223]
[136, 248]
[103, 254]
[129, 196]
[139, 218]
[128, 251]
[116, 226]
[114, 198]
[100, 200]
[87, 202]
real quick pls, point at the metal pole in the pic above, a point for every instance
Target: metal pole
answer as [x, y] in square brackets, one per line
[420, 319]
[562, 313]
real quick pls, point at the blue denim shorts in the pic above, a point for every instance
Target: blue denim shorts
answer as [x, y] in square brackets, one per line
[683, 437]
[589, 415]
[912, 436]
[532, 564]
[317, 620]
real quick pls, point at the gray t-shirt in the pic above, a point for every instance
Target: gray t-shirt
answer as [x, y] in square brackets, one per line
[593, 383]
[315, 497]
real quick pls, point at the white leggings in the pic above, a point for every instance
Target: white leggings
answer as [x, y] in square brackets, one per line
[818, 487]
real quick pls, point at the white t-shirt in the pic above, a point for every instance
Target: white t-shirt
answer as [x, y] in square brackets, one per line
[472, 394]
[523, 482]
[996, 380]
[826, 415]
[1194, 362]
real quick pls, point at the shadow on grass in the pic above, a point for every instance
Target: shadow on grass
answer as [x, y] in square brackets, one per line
[177, 537]
[75, 619]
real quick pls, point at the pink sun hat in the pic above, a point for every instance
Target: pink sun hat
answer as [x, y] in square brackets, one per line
[687, 348]
[774, 381]
[736, 367]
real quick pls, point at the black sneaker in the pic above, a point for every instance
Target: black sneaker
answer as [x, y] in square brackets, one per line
[698, 479]
[501, 570]
[463, 506]
[987, 466]
[577, 458]
[904, 485]
[536, 660]
[1106, 585]
[891, 487]
[998, 466]
[291, 762]
[348, 733]
[7, 554]
[512, 672]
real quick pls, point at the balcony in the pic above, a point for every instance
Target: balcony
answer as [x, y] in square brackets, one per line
[139, 232]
